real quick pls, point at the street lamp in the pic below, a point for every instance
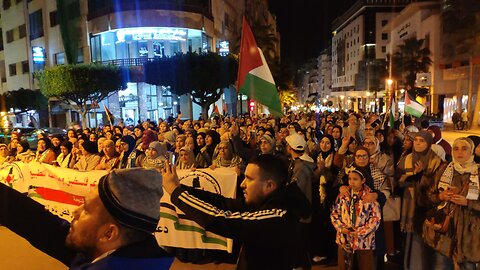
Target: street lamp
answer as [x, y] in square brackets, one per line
[389, 82]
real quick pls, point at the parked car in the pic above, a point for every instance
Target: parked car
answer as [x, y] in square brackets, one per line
[6, 133]
[32, 138]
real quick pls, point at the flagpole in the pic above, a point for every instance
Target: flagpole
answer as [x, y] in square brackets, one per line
[108, 116]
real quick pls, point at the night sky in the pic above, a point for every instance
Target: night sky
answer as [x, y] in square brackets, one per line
[305, 26]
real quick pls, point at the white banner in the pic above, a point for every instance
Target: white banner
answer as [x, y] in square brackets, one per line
[63, 190]
[187, 233]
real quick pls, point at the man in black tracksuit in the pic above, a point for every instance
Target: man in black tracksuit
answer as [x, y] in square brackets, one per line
[266, 221]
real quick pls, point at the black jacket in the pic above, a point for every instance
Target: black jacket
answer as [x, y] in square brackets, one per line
[270, 233]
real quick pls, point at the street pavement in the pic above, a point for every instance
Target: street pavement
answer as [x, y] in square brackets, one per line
[16, 253]
[450, 135]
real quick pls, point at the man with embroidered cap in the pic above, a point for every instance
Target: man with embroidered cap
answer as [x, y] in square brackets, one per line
[266, 221]
[113, 229]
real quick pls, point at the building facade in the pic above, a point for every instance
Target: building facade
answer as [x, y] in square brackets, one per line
[421, 20]
[359, 48]
[325, 76]
[125, 33]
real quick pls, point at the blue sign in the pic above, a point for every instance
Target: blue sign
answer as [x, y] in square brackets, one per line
[38, 54]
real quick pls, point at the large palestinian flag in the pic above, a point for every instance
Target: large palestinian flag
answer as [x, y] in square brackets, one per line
[254, 77]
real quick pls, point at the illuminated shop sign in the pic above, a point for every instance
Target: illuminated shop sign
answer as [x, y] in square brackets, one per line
[151, 33]
[224, 48]
[38, 54]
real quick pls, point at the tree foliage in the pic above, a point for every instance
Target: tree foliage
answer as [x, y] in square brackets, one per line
[202, 75]
[81, 84]
[24, 100]
[412, 57]
[265, 36]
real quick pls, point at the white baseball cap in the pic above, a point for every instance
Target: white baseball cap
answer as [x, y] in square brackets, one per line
[296, 142]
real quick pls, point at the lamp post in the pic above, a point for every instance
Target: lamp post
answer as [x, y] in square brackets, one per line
[389, 91]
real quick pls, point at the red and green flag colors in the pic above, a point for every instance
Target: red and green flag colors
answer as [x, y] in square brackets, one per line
[254, 77]
[393, 109]
[412, 107]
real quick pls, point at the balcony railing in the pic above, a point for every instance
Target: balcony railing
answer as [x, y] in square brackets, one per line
[97, 8]
[127, 62]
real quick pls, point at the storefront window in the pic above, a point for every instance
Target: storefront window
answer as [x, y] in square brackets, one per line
[143, 49]
[147, 42]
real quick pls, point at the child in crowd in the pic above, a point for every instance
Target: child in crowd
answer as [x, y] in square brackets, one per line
[356, 219]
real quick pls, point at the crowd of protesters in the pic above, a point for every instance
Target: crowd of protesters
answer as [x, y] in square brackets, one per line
[377, 193]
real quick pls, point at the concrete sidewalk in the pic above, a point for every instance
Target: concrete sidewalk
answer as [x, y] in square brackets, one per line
[17, 253]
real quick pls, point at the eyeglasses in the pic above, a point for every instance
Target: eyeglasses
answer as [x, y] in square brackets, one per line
[362, 156]
[368, 143]
[368, 128]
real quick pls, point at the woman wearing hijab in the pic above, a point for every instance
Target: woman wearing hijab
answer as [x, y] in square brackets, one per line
[337, 133]
[44, 152]
[227, 158]
[191, 143]
[64, 159]
[207, 153]
[323, 242]
[89, 158]
[56, 142]
[457, 192]
[148, 137]
[24, 153]
[385, 164]
[417, 175]
[186, 160]
[128, 153]
[155, 156]
[437, 139]
[201, 139]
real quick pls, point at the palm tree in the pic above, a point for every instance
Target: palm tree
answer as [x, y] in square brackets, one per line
[288, 97]
[411, 58]
[265, 38]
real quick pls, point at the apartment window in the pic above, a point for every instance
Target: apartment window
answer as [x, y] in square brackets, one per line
[36, 25]
[12, 68]
[22, 31]
[384, 22]
[10, 36]
[226, 20]
[384, 36]
[60, 58]
[6, 4]
[53, 18]
[25, 67]
[384, 49]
